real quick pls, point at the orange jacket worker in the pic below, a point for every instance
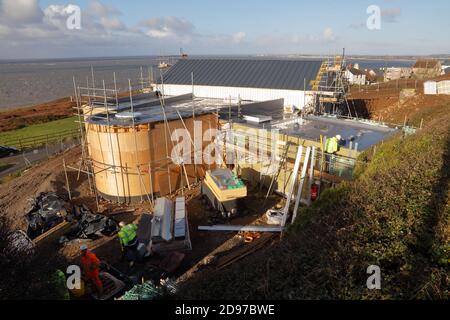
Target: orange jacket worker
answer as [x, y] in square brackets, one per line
[91, 265]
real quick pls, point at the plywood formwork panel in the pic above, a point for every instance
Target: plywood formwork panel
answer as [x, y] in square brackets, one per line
[132, 163]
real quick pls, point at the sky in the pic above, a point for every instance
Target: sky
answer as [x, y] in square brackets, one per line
[38, 29]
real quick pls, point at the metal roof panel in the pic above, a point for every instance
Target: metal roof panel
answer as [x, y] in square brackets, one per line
[250, 73]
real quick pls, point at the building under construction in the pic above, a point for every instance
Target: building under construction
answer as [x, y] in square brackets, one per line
[129, 142]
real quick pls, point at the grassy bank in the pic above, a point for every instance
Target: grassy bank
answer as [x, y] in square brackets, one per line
[28, 133]
[18, 118]
[394, 215]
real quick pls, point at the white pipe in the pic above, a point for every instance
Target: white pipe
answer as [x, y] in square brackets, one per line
[240, 228]
[291, 189]
[302, 181]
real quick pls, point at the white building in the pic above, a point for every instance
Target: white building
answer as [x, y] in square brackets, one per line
[430, 87]
[443, 87]
[245, 79]
[356, 76]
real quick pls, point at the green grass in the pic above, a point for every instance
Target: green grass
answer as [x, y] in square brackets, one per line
[36, 130]
[395, 214]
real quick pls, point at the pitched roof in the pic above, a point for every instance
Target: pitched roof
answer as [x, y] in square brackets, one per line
[250, 73]
[426, 63]
[357, 72]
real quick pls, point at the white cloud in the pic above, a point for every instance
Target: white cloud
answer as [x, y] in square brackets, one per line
[390, 15]
[167, 27]
[238, 37]
[99, 9]
[328, 35]
[56, 15]
[112, 23]
[18, 12]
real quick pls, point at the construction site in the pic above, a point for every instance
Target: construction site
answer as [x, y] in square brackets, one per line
[210, 159]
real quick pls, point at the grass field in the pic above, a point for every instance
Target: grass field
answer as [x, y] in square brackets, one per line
[37, 130]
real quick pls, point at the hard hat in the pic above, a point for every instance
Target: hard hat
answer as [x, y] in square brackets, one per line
[83, 247]
[338, 137]
[122, 224]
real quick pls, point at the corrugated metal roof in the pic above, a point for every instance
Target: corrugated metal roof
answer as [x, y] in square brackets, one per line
[249, 73]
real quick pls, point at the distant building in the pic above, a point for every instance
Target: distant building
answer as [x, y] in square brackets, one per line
[430, 87]
[445, 66]
[427, 68]
[397, 73]
[356, 76]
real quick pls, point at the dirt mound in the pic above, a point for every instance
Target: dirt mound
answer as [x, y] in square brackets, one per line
[388, 106]
[43, 177]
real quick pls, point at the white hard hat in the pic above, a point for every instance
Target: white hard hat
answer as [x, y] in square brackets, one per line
[122, 224]
[83, 247]
[338, 137]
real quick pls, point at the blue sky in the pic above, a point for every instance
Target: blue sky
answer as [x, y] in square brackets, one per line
[137, 27]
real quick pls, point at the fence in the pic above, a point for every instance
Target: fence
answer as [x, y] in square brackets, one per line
[40, 140]
[385, 88]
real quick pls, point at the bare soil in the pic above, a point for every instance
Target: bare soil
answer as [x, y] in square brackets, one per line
[48, 176]
[45, 112]
[384, 102]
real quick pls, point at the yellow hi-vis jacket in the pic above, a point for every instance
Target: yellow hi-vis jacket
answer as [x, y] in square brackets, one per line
[127, 234]
[332, 145]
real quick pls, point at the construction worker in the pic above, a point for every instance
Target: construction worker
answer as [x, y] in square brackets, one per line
[128, 240]
[59, 280]
[332, 145]
[91, 265]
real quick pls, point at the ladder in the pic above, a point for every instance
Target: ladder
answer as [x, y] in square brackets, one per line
[281, 163]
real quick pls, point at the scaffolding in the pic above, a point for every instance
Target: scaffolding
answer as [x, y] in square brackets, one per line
[101, 103]
[331, 88]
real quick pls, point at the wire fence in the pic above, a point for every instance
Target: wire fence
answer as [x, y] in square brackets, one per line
[385, 88]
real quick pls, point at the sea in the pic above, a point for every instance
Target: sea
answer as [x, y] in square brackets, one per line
[29, 82]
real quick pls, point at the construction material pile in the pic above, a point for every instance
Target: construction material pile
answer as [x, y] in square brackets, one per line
[89, 225]
[145, 291]
[46, 211]
[49, 210]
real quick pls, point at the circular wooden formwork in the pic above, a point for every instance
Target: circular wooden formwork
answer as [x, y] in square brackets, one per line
[130, 163]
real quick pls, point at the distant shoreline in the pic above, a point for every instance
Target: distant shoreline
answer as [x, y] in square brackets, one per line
[27, 83]
[350, 56]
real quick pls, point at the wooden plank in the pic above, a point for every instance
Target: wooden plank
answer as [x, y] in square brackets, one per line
[243, 252]
[54, 233]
